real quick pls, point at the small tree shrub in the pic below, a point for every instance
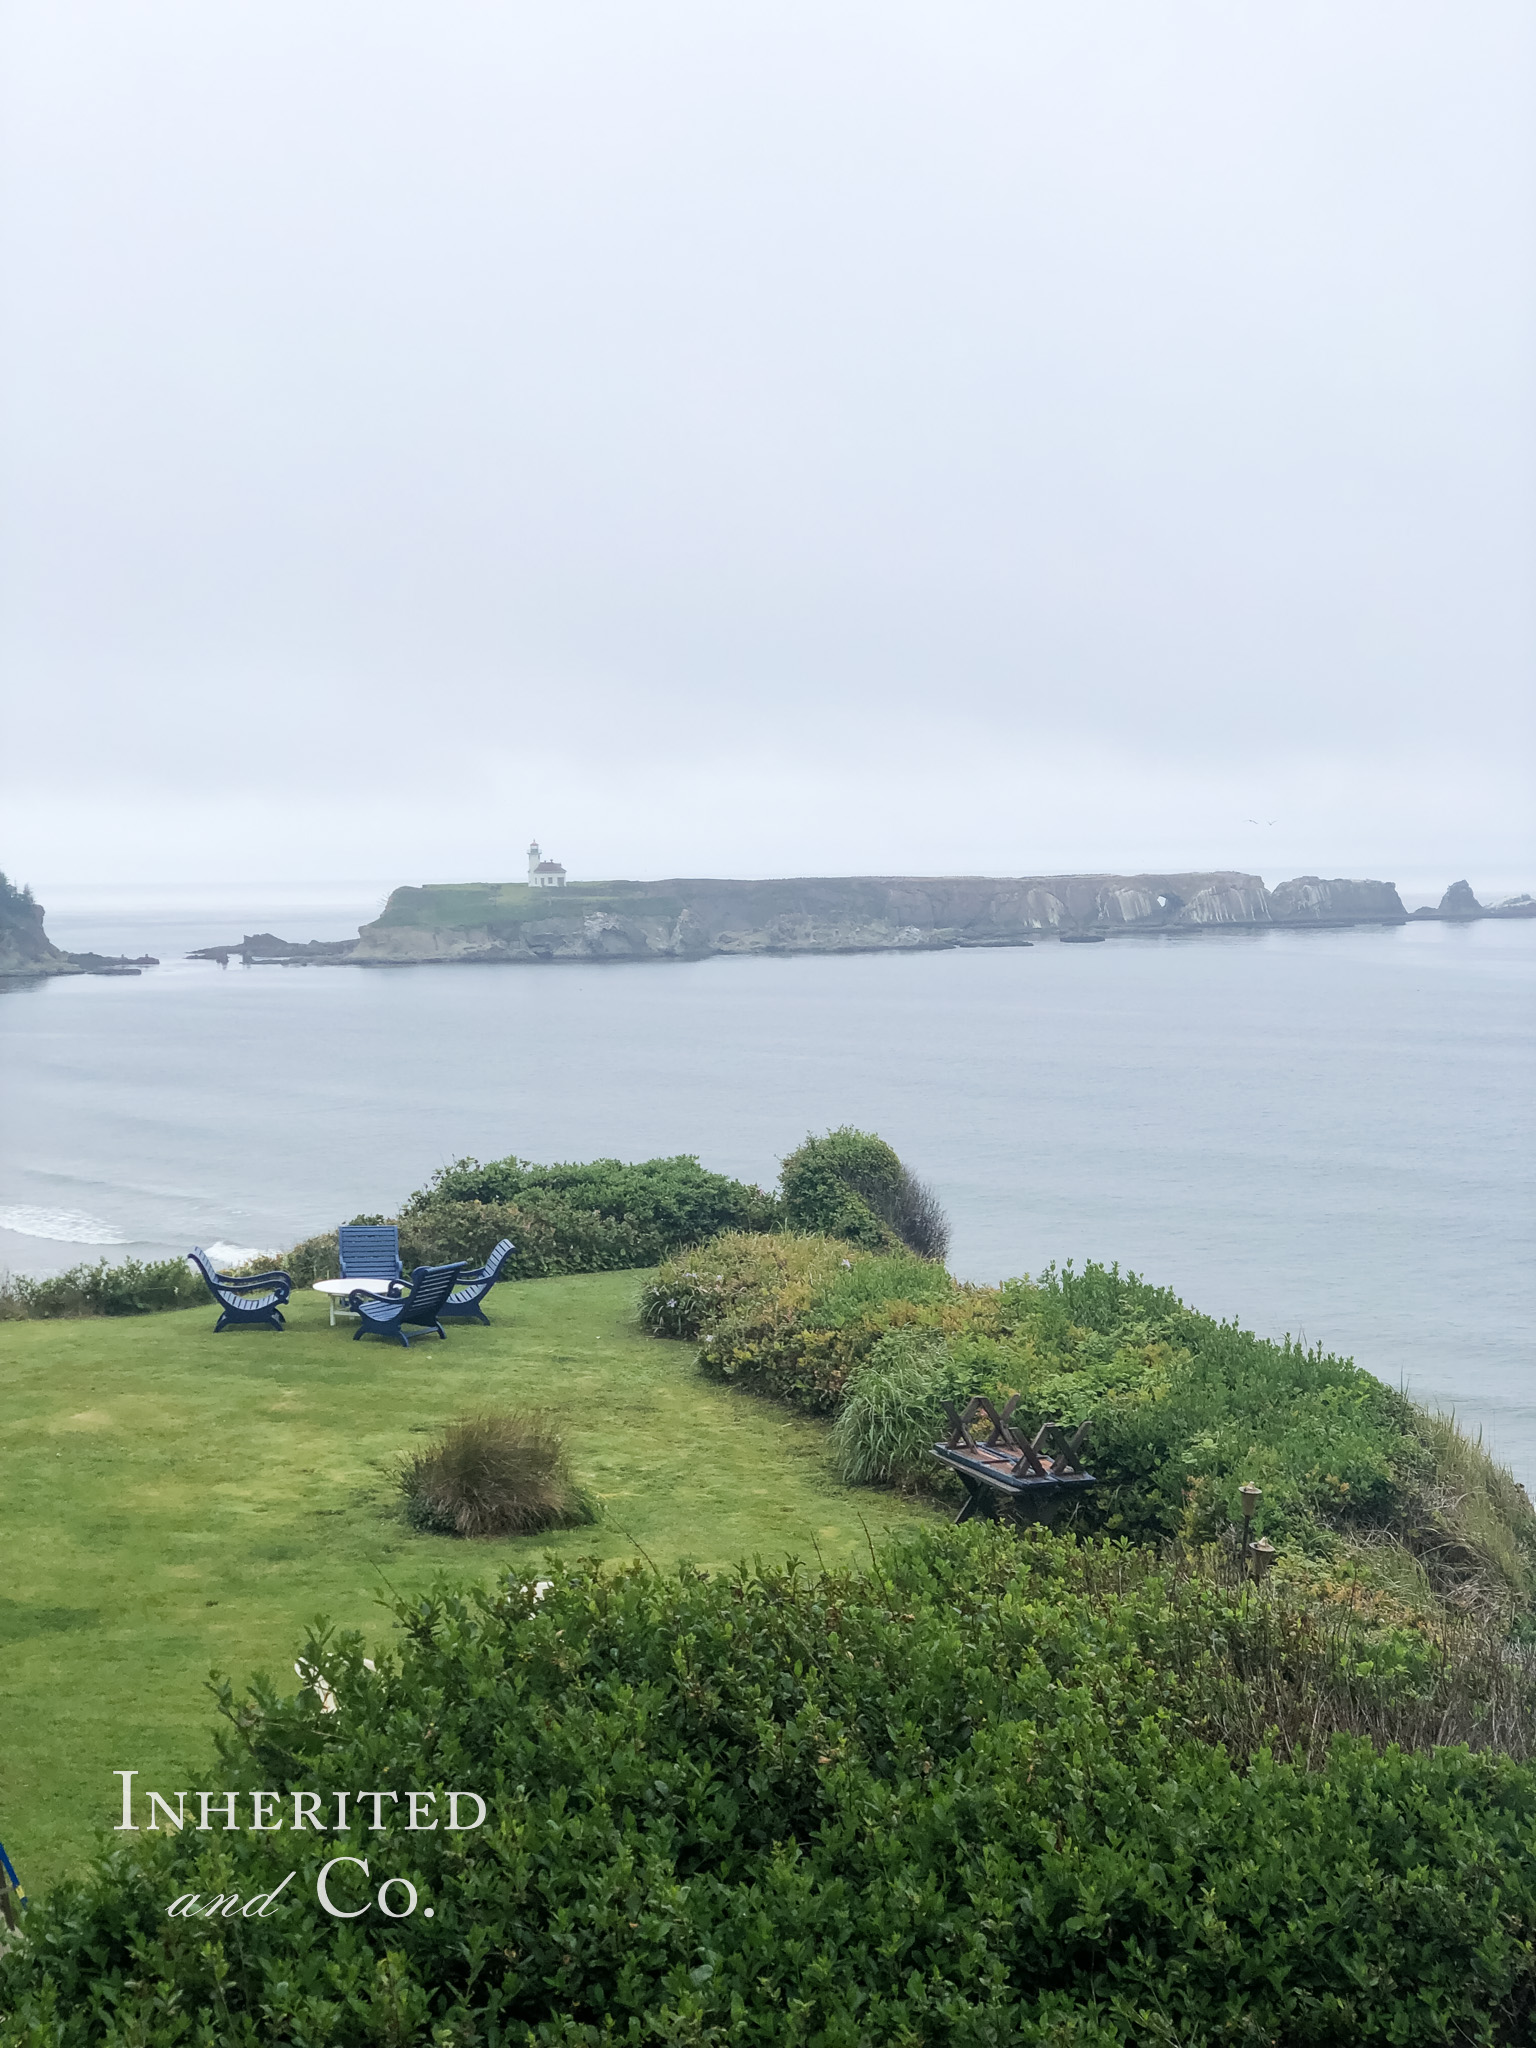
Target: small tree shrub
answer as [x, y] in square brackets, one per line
[850, 1184]
[494, 1474]
[918, 1219]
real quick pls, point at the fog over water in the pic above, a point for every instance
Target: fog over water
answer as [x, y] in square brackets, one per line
[1330, 1133]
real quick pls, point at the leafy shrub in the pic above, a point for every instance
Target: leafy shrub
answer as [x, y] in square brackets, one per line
[800, 1334]
[549, 1237]
[133, 1288]
[850, 1184]
[970, 1796]
[317, 1258]
[740, 1273]
[494, 1474]
[601, 1216]
[667, 1202]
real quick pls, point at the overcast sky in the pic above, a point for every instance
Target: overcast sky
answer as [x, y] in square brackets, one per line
[768, 438]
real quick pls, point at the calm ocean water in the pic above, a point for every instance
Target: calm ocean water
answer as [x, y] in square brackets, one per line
[1325, 1133]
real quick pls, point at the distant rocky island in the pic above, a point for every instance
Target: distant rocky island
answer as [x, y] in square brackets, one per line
[550, 919]
[1458, 905]
[692, 919]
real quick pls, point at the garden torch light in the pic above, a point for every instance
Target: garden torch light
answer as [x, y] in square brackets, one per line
[1261, 1553]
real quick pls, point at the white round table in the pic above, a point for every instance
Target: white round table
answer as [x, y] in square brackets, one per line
[338, 1290]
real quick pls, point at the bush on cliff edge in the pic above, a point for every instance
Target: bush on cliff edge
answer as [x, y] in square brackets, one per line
[990, 1790]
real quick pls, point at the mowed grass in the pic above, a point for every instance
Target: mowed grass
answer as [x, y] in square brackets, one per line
[172, 1502]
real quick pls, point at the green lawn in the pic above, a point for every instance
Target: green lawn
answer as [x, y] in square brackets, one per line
[172, 1501]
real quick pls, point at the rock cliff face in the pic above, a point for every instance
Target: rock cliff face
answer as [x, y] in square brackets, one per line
[691, 918]
[25, 948]
[1310, 900]
[1458, 905]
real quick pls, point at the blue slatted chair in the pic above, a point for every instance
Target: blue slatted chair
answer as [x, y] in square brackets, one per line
[430, 1288]
[369, 1251]
[248, 1298]
[463, 1305]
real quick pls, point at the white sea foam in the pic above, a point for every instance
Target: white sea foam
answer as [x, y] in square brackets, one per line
[64, 1226]
[223, 1254]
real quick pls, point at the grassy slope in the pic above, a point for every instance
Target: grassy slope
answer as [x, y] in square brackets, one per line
[171, 1500]
[445, 906]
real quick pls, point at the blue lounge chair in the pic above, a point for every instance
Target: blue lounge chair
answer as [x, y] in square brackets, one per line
[369, 1251]
[430, 1288]
[250, 1298]
[463, 1305]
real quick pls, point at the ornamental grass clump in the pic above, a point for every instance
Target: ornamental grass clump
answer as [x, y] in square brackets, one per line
[893, 1413]
[494, 1474]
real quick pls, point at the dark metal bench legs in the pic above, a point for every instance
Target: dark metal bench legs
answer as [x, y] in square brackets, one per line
[985, 1503]
[980, 1504]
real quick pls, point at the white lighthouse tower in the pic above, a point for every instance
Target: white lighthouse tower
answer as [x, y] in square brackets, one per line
[543, 874]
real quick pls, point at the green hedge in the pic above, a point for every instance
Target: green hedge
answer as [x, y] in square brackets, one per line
[668, 1202]
[131, 1289]
[968, 1797]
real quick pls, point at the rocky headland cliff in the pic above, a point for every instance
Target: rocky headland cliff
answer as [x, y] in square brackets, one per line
[690, 919]
[26, 951]
[25, 948]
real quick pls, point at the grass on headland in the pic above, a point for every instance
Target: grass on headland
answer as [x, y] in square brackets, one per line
[172, 1500]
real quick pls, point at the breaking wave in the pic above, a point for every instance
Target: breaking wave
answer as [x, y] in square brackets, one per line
[64, 1226]
[224, 1254]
